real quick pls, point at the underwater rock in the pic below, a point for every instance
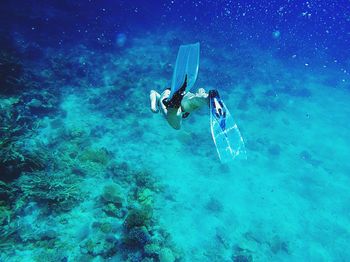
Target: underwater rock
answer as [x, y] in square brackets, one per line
[214, 205]
[278, 245]
[274, 150]
[145, 179]
[100, 156]
[148, 259]
[134, 257]
[49, 234]
[242, 255]
[35, 103]
[83, 258]
[113, 193]
[308, 158]
[98, 246]
[123, 166]
[151, 249]
[106, 227]
[138, 217]
[111, 210]
[166, 255]
[137, 236]
[242, 258]
[76, 132]
[145, 197]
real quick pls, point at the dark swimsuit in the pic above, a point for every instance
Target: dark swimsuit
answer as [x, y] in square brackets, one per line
[184, 114]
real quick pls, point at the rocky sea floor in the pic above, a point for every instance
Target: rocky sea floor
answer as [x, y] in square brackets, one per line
[88, 173]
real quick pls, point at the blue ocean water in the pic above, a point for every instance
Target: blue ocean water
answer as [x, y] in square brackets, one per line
[89, 173]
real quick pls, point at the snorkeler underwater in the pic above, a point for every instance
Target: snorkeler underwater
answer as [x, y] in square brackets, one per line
[174, 131]
[176, 104]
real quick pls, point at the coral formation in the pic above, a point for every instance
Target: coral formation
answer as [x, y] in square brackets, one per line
[100, 156]
[138, 217]
[113, 194]
[57, 191]
[19, 152]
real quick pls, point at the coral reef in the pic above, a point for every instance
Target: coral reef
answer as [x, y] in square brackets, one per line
[100, 156]
[113, 193]
[57, 191]
[19, 151]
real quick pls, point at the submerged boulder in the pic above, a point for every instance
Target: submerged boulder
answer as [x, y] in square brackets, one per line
[113, 193]
[166, 255]
[137, 236]
[138, 217]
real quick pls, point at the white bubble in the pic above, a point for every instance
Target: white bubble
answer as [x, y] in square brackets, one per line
[121, 39]
[276, 34]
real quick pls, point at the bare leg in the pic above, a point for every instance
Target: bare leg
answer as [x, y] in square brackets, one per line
[174, 117]
[191, 101]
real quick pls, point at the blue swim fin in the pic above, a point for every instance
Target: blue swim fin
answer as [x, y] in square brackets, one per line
[187, 63]
[226, 135]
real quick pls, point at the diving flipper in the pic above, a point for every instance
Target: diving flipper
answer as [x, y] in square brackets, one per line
[227, 138]
[187, 63]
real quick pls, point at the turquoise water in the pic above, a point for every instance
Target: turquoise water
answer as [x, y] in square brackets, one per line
[88, 173]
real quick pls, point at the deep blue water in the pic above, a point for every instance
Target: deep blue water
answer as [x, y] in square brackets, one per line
[88, 173]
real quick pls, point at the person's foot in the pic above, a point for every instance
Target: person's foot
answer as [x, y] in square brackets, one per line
[201, 93]
[213, 94]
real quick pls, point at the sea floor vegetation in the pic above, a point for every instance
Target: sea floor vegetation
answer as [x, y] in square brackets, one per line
[88, 173]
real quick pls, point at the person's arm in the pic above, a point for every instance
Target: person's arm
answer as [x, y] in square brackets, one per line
[154, 99]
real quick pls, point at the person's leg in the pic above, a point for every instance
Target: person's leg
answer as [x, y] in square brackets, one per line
[172, 115]
[154, 99]
[192, 101]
